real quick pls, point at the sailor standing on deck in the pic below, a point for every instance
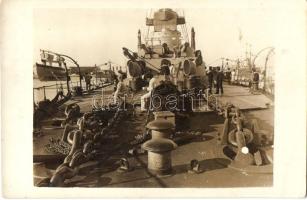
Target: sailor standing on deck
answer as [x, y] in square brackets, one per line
[186, 50]
[88, 81]
[172, 73]
[228, 75]
[210, 79]
[219, 81]
[261, 80]
[120, 89]
[200, 71]
[233, 76]
[154, 82]
[255, 80]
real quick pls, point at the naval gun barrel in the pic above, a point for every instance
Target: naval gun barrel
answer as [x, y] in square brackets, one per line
[134, 57]
[129, 54]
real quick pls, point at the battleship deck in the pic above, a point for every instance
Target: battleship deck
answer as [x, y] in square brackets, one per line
[241, 97]
[203, 147]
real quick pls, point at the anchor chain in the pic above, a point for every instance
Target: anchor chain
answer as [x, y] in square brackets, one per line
[58, 146]
[85, 143]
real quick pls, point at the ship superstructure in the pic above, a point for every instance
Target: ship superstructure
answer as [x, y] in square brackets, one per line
[163, 40]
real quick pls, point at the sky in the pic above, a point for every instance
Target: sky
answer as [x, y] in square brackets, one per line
[97, 35]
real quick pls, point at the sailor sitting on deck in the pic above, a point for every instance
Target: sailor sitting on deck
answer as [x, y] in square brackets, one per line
[145, 50]
[154, 82]
[166, 51]
[186, 50]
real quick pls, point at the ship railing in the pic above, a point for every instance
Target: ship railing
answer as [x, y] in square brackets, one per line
[266, 85]
[49, 91]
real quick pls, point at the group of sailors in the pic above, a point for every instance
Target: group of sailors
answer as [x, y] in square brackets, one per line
[207, 78]
[166, 52]
[113, 77]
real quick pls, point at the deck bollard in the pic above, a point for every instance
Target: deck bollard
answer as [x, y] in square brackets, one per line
[159, 155]
[160, 128]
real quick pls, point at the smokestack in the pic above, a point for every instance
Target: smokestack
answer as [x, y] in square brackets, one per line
[193, 38]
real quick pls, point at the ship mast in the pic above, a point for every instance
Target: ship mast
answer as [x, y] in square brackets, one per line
[139, 39]
[193, 39]
[248, 56]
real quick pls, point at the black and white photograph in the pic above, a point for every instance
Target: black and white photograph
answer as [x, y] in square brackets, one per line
[161, 96]
[159, 110]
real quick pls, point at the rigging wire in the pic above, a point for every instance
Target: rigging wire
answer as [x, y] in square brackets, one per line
[184, 33]
[147, 35]
[186, 30]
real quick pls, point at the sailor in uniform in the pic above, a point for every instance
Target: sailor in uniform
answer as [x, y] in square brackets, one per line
[153, 83]
[120, 89]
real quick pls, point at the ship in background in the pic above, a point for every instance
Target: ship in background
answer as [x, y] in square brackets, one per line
[261, 62]
[53, 68]
[46, 71]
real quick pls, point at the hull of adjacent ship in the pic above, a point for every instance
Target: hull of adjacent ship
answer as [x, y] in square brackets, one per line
[50, 73]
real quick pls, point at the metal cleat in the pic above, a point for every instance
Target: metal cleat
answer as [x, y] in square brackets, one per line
[124, 166]
[194, 167]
